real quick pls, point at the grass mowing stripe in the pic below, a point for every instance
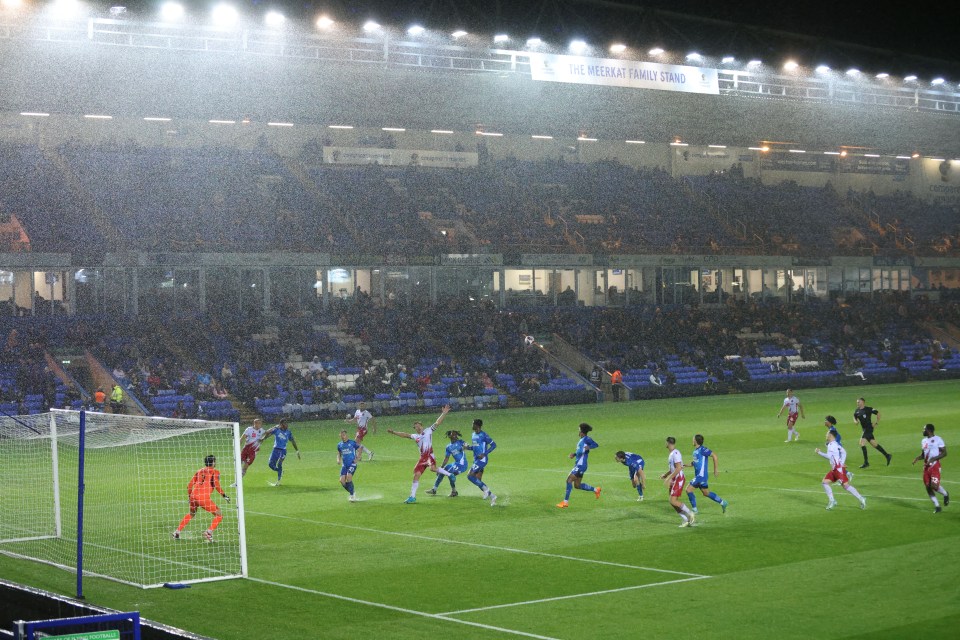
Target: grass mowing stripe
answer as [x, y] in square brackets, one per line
[413, 612]
[474, 544]
[823, 493]
[568, 597]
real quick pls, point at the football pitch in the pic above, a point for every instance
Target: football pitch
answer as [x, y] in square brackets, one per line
[776, 564]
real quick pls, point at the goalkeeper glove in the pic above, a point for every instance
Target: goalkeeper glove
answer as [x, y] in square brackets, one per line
[227, 498]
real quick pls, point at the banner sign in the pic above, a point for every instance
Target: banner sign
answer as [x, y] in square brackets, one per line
[623, 73]
[879, 166]
[941, 181]
[786, 161]
[472, 259]
[556, 259]
[399, 157]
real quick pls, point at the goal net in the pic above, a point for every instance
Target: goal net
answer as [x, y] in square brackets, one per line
[135, 476]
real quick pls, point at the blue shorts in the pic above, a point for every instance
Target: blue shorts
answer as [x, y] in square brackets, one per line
[454, 470]
[633, 471]
[478, 466]
[578, 470]
[277, 456]
[699, 483]
[348, 469]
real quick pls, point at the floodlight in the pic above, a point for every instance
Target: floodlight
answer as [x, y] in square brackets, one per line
[915, 155]
[63, 9]
[274, 19]
[171, 11]
[881, 76]
[116, 11]
[823, 68]
[618, 48]
[790, 65]
[578, 46]
[853, 71]
[754, 63]
[728, 59]
[370, 26]
[416, 30]
[937, 81]
[324, 22]
[910, 79]
[656, 51]
[224, 15]
[11, 4]
[501, 37]
[534, 42]
[694, 56]
[459, 33]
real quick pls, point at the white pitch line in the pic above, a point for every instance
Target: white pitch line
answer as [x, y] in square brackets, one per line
[412, 612]
[575, 595]
[477, 544]
[753, 486]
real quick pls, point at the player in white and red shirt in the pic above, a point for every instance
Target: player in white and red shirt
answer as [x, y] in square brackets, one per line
[837, 456]
[424, 439]
[794, 410]
[253, 436]
[933, 449]
[674, 482]
[363, 417]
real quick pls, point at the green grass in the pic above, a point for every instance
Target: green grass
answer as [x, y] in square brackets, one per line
[779, 564]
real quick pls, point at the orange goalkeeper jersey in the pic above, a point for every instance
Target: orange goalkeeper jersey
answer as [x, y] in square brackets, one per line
[203, 483]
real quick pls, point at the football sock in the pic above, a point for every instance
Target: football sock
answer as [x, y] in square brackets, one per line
[715, 497]
[215, 523]
[439, 479]
[569, 489]
[933, 499]
[443, 472]
[882, 451]
[829, 490]
[685, 510]
[586, 487]
[477, 481]
[693, 499]
[942, 491]
[453, 481]
[684, 517]
[189, 517]
[413, 488]
[640, 489]
[864, 449]
[854, 492]
[350, 487]
[346, 486]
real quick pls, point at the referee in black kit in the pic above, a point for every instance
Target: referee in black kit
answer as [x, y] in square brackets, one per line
[864, 415]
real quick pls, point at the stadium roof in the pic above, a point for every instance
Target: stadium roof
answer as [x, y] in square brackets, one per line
[875, 37]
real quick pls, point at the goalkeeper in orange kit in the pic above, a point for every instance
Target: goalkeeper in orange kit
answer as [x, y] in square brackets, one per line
[199, 489]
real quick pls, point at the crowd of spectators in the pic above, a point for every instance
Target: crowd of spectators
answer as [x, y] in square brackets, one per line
[222, 199]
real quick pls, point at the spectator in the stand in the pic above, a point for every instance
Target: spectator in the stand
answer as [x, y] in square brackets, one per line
[116, 399]
[616, 384]
[596, 376]
[784, 364]
[99, 399]
[656, 380]
[226, 373]
[315, 365]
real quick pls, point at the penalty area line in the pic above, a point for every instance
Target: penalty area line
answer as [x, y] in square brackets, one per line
[570, 597]
[477, 545]
[413, 612]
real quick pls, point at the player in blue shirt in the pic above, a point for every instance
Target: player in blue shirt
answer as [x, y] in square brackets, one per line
[347, 456]
[575, 479]
[634, 463]
[831, 424]
[281, 435]
[456, 451]
[481, 444]
[702, 474]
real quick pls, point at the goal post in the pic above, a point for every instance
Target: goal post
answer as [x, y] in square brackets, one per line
[129, 500]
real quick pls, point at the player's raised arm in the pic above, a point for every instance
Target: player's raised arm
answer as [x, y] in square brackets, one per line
[443, 414]
[400, 434]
